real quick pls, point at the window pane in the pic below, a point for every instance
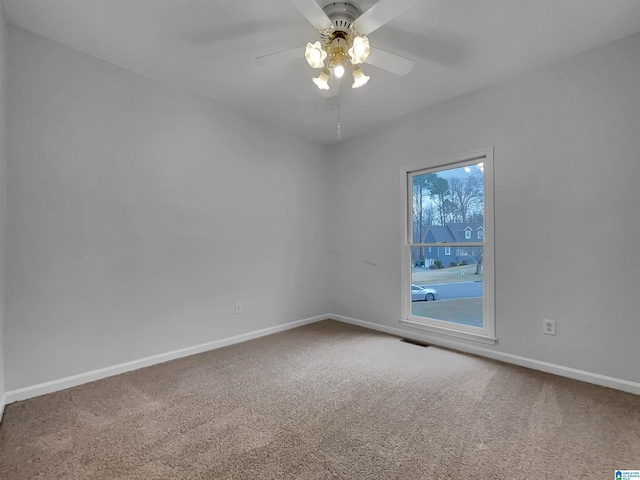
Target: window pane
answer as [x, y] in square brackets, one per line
[455, 285]
[453, 197]
[448, 228]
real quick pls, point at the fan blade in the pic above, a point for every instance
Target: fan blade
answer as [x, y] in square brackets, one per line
[312, 12]
[281, 56]
[382, 12]
[390, 62]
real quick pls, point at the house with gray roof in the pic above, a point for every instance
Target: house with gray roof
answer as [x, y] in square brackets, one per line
[452, 233]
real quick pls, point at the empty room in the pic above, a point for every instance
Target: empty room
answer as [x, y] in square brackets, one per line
[302, 239]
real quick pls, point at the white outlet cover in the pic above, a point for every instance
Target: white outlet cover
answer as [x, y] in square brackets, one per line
[549, 327]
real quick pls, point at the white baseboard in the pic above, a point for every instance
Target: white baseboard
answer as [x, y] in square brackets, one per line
[3, 402]
[589, 377]
[92, 376]
[72, 381]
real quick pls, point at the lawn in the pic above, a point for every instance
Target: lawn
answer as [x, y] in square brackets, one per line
[465, 311]
[462, 273]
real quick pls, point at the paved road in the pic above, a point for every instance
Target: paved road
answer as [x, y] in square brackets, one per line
[457, 290]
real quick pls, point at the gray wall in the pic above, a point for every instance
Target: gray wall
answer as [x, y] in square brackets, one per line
[3, 183]
[567, 170]
[139, 214]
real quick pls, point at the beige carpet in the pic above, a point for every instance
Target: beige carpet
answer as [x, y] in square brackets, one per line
[324, 401]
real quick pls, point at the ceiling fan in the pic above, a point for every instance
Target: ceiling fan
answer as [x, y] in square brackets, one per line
[343, 41]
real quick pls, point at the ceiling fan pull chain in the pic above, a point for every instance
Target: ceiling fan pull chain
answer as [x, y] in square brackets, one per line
[339, 132]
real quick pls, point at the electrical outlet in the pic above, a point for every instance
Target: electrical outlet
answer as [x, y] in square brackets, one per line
[238, 308]
[549, 327]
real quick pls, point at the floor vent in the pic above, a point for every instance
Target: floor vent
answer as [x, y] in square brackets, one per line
[415, 342]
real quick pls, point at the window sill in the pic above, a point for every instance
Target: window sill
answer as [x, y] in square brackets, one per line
[449, 332]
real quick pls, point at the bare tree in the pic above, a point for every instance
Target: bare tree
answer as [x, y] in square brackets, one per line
[422, 211]
[467, 196]
[479, 263]
[438, 192]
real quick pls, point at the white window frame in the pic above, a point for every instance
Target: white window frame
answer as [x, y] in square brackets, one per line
[447, 251]
[486, 334]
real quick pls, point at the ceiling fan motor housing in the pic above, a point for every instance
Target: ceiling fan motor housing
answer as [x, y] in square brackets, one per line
[342, 15]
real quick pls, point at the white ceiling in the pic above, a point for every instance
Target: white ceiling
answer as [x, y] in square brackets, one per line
[209, 47]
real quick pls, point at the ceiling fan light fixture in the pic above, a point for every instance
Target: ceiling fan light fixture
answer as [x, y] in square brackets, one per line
[359, 50]
[322, 80]
[359, 78]
[338, 55]
[315, 55]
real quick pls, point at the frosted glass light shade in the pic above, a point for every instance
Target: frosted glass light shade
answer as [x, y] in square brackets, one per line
[360, 49]
[322, 80]
[359, 78]
[315, 55]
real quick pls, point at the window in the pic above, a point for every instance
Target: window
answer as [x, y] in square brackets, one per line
[445, 204]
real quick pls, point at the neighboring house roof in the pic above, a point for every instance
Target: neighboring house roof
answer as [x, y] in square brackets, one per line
[457, 231]
[452, 232]
[439, 234]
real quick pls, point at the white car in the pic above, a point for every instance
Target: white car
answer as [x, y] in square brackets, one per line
[421, 293]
